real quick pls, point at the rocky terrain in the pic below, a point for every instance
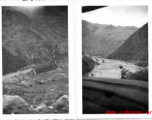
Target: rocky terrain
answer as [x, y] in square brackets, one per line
[35, 60]
[102, 40]
[43, 93]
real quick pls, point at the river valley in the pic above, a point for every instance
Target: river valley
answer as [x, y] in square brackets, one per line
[109, 68]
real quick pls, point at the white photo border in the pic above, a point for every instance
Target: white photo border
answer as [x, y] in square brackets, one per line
[79, 4]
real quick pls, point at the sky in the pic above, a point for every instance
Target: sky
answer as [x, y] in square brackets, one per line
[118, 15]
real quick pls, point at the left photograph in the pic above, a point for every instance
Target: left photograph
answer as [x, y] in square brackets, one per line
[35, 59]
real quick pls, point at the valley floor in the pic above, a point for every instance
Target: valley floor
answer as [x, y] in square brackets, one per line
[109, 68]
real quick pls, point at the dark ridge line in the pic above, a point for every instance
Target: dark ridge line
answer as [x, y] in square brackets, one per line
[127, 86]
[113, 83]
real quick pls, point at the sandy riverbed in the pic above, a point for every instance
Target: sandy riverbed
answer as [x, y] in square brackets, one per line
[110, 68]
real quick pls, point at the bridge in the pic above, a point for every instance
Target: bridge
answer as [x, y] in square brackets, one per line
[106, 94]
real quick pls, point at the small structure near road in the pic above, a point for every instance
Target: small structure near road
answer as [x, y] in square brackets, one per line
[27, 71]
[24, 71]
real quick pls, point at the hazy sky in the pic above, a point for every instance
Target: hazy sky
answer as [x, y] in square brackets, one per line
[118, 15]
[32, 11]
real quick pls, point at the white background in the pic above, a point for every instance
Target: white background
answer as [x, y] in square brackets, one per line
[75, 56]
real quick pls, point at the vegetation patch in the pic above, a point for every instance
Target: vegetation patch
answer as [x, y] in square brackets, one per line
[141, 74]
[142, 63]
[87, 64]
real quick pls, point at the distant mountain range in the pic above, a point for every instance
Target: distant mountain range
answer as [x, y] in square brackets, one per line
[38, 39]
[102, 40]
[134, 48]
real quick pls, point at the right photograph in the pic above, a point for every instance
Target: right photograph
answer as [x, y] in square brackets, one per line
[115, 60]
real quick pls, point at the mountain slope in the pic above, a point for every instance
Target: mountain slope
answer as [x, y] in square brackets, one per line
[12, 63]
[102, 40]
[38, 39]
[134, 48]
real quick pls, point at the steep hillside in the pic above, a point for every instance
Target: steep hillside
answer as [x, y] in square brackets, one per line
[102, 40]
[134, 48]
[12, 63]
[41, 38]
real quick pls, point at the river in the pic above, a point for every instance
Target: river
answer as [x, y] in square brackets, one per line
[110, 68]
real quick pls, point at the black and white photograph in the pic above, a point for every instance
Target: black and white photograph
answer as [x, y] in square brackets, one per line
[115, 59]
[35, 59]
